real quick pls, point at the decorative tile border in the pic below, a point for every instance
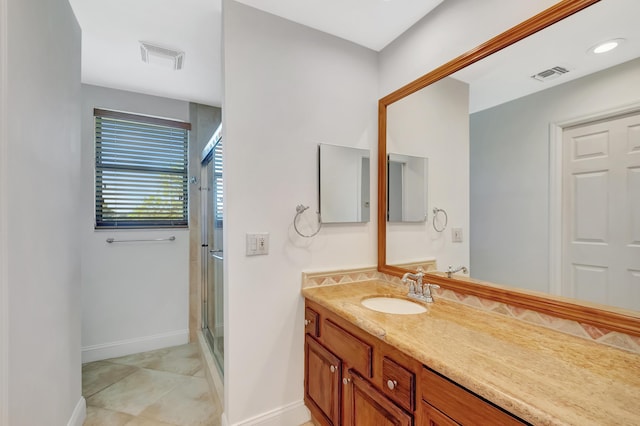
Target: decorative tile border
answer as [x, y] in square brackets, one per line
[574, 328]
[344, 276]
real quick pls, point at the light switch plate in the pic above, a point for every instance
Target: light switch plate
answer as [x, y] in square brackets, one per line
[257, 243]
[456, 235]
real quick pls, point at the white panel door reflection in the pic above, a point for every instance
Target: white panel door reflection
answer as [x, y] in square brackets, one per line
[601, 212]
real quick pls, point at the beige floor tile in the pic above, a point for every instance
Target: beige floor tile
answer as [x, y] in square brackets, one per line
[199, 373]
[136, 392]
[140, 421]
[97, 416]
[189, 404]
[98, 375]
[183, 359]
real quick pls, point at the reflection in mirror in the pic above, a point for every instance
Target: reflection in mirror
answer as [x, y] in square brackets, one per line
[407, 188]
[433, 123]
[344, 184]
[553, 174]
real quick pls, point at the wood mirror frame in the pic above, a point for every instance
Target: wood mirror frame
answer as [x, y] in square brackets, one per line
[584, 312]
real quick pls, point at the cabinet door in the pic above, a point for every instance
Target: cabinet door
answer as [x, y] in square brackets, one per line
[431, 417]
[323, 380]
[366, 406]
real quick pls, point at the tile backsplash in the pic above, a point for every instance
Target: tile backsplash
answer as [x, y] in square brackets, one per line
[574, 328]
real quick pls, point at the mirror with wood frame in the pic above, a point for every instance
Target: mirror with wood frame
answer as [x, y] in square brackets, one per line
[601, 315]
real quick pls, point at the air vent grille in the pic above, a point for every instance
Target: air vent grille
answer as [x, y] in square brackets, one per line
[550, 74]
[158, 55]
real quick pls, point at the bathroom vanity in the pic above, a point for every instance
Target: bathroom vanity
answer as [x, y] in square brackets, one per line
[455, 365]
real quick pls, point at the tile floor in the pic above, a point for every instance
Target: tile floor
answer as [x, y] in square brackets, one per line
[165, 387]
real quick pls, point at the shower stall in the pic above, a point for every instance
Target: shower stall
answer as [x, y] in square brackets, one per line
[212, 251]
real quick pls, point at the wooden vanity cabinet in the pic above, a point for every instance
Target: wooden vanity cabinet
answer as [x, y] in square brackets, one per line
[431, 416]
[355, 379]
[446, 403]
[367, 406]
[323, 381]
[343, 376]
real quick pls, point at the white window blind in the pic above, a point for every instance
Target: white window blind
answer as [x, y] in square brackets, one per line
[141, 171]
[218, 183]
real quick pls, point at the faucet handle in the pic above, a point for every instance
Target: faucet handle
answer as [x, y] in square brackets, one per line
[428, 287]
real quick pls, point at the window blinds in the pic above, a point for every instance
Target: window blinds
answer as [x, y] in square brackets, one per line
[141, 171]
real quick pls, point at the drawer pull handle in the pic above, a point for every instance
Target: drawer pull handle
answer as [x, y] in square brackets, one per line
[307, 322]
[333, 368]
[391, 384]
[346, 380]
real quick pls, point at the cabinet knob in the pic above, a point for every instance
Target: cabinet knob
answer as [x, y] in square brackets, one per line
[333, 368]
[346, 380]
[391, 384]
[307, 322]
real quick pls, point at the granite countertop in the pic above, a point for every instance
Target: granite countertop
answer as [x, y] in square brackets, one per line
[540, 375]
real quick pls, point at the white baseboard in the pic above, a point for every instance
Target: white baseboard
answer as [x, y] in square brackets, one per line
[132, 346]
[293, 414]
[79, 413]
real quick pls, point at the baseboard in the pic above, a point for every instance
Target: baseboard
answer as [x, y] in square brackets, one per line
[79, 413]
[132, 346]
[293, 414]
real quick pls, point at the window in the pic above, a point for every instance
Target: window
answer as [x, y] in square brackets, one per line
[218, 183]
[141, 171]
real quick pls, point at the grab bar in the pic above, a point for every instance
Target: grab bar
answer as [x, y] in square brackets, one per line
[113, 240]
[214, 254]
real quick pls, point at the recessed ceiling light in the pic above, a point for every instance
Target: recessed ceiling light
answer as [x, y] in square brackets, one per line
[161, 56]
[606, 46]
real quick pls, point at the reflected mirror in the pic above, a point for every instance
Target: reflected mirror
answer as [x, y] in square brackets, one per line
[344, 190]
[536, 150]
[406, 188]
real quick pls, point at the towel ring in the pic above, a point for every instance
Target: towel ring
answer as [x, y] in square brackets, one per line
[299, 210]
[435, 216]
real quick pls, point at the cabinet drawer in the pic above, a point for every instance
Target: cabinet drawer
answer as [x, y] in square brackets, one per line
[311, 323]
[348, 347]
[461, 405]
[398, 383]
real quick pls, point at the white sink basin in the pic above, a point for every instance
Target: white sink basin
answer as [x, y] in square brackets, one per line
[392, 305]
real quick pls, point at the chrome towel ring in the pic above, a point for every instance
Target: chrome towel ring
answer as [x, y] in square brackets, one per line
[299, 210]
[436, 211]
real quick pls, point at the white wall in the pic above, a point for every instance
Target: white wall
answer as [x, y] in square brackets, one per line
[40, 175]
[433, 123]
[510, 172]
[135, 296]
[287, 88]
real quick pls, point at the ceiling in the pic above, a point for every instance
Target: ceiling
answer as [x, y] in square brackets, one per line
[112, 30]
[506, 75]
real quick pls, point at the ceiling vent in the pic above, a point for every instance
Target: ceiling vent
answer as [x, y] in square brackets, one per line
[550, 74]
[161, 56]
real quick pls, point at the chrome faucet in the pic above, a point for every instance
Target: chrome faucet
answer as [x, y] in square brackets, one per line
[452, 271]
[418, 290]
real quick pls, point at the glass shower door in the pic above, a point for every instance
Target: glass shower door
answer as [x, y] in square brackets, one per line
[213, 310]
